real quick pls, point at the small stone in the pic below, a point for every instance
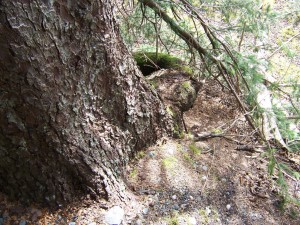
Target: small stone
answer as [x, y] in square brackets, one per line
[23, 222]
[176, 207]
[207, 210]
[150, 202]
[204, 168]
[174, 197]
[5, 215]
[152, 154]
[223, 180]
[151, 192]
[35, 214]
[145, 211]
[114, 215]
[72, 223]
[138, 222]
[204, 178]
[93, 223]
[202, 145]
[191, 198]
[192, 220]
[228, 206]
[183, 206]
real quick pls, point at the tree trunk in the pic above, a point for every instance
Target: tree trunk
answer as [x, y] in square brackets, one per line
[73, 106]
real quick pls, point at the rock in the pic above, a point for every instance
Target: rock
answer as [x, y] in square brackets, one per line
[150, 202]
[228, 206]
[152, 154]
[23, 222]
[223, 180]
[174, 197]
[138, 222]
[92, 223]
[207, 210]
[204, 178]
[202, 145]
[177, 89]
[204, 168]
[176, 207]
[191, 198]
[255, 216]
[145, 211]
[35, 214]
[192, 220]
[114, 215]
[183, 206]
[5, 215]
[72, 223]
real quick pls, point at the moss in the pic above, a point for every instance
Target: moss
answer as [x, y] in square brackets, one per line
[169, 162]
[186, 85]
[150, 62]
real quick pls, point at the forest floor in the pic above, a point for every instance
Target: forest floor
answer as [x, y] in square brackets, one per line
[217, 180]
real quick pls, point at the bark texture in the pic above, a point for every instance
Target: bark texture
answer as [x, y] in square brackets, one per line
[73, 106]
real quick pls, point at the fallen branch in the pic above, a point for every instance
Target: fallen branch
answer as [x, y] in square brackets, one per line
[251, 148]
[190, 40]
[207, 135]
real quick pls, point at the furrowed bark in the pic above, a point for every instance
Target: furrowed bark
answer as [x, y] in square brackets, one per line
[74, 108]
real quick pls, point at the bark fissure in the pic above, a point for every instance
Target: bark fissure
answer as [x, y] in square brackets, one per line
[73, 101]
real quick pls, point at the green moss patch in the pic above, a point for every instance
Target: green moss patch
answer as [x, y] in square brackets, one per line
[150, 62]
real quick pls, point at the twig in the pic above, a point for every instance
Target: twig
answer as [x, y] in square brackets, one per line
[281, 46]
[242, 37]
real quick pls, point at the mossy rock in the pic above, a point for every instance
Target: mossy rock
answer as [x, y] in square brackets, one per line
[178, 90]
[150, 62]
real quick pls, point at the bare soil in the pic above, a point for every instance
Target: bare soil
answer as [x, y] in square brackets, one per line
[180, 181]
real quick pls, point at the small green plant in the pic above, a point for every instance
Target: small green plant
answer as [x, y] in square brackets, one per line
[170, 162]
[217, 131]
[187, 157]
[133, 174]
[170, 111]
[294, 214]
[186, 85]
[281, 169]
[140, 155]
[173, 220]
[179, 133]
[204, 215]
[195, 150]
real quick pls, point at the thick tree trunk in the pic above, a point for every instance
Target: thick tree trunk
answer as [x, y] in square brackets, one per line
[73, 106]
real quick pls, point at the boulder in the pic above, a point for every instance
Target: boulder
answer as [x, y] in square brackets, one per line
[177, 89]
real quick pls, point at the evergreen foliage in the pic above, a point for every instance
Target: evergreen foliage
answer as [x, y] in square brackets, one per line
[237, 53]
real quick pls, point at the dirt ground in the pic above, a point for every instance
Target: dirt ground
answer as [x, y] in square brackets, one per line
[215, 180]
